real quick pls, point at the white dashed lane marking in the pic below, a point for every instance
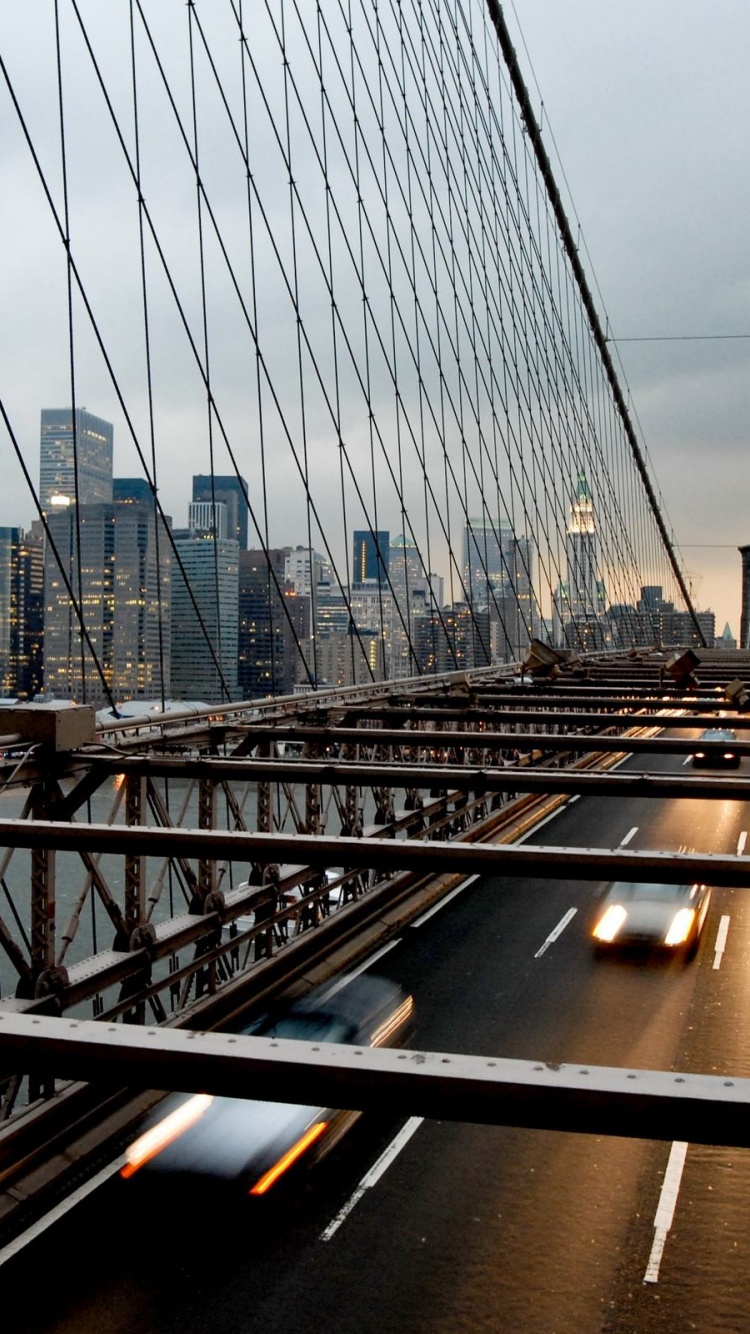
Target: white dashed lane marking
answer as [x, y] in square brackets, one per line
[721, 941]
[665, 1209]
[375, 1173]
[552, 937]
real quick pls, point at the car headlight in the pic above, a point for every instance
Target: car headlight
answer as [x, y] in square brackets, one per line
[165, 1132]
[728, 755]
[699, 755]
[681, 926]
[610, 923]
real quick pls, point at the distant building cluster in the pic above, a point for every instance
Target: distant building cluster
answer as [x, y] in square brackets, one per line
[192, 613]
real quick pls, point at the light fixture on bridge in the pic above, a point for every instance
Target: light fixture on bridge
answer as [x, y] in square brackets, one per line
[737, 694]
[543, 661]
[681, 667]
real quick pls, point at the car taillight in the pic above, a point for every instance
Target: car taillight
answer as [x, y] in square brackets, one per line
[272, 1175]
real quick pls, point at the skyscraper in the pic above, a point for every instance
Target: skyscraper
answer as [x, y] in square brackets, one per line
[123, 588]
[74, 444]
[30, 663]
[406, 573]
[485, 566]
[128, 490]
[745, 611]
[208, 516]
[274, 623]
[370, 556]
[9, 610]
[581, 545]
[205, 595]
[232, 492]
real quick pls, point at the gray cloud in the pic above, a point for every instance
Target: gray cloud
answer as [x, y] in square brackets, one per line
[648, 105]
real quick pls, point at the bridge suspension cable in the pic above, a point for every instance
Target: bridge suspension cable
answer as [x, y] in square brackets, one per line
[359, 298]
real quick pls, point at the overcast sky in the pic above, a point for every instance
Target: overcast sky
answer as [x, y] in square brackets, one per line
[648, 102]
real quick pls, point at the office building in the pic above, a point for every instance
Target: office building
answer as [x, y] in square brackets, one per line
[30, 575]
[372, 615]
[205, 615]
[485, 569]
[745, 610]
[370, 556]
[498, 577]
[274, 626]
[208, 516]
[305, 569]
[582, 555]
[455, 639]
[74, 445]
[21, 613]
[405, 568]
[122, 586]
[230, 491]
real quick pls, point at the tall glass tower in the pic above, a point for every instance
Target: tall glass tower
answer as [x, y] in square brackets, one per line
[74, 443]
[109, 554]
[370, 555]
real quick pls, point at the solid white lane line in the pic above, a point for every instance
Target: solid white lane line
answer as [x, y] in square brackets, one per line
[541, 824]
[437, 906]
[628, 836]
[741, 841]
[60, 1210]
[552, 937]
[721, 941]
[665, 1210]
[617, 763]
[375, 1173]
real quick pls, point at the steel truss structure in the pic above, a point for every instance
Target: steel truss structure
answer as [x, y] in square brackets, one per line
[235, 855]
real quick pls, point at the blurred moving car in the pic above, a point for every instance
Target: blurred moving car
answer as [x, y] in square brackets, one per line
[725, 758]
[256, 1143]
[652, 916]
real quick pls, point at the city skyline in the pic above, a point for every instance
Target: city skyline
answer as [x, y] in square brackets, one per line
[232, 497]
[338, 416]
[188, 613]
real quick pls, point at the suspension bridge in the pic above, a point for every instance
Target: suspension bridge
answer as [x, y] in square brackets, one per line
[421, 601]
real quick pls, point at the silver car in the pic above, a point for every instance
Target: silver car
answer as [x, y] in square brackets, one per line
[256, 1143]
[651, 915]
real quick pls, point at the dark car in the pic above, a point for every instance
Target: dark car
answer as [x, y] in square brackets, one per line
[716, 749]
[651, 916]
[257, 1142]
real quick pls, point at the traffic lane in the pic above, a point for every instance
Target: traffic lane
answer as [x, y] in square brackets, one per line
[503, 1229]
[242, 1283]
[671, 825]
[702, 1282]
[489, 1228]
[470, 1226]
[668, 825]
[499, 924]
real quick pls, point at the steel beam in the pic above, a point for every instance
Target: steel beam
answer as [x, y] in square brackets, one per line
[549, 862]
[595, 1100]
[496, 740]
[463, 778]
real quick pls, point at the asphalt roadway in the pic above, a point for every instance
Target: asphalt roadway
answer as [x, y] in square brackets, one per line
[441, 1227]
